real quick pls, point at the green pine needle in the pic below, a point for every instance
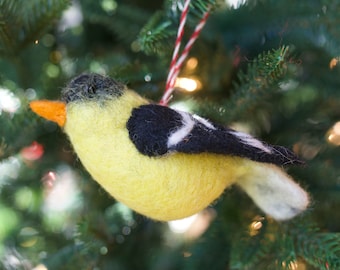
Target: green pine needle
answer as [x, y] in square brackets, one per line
[266, 71]
[154, 33]
[321, 250]
[40, 17]
[154, 38]
[21, 24]
[199, 7]
[248, 250]
[7, 21]
[124, 23]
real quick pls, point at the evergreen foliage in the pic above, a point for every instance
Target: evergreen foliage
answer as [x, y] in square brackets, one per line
[257, 83]
[269, 67]
[21, 25]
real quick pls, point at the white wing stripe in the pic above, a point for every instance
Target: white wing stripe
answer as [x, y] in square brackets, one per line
[204, 121]
[246, 138]
[180, 134]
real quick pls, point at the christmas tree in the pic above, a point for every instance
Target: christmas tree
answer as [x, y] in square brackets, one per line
[268, 68]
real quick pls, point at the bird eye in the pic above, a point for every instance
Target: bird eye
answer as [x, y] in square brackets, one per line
[90, 89]
[91, 86]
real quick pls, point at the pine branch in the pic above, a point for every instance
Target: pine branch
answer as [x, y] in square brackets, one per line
[197, 7]
[26, 130]
[7, 22]
[158, 34]
[21, 24]
[65, 255]
[321, 250]
[154, 33]
[249, 249]
[42, 14]
[259, 82]
[271, 245]
[284, 249]
[125, 22]
[263, 73]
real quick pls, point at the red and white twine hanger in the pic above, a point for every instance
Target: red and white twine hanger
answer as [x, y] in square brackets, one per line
[177, 61]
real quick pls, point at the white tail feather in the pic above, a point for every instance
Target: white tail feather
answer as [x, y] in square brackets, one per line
[274, 191]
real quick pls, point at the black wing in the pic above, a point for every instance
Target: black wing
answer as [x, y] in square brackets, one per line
[158, 130]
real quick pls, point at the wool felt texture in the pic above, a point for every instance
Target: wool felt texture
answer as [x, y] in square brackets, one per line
[91, 86]
[163, 177]
[151, 125]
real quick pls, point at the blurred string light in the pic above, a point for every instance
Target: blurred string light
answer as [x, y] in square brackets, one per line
[192, 63]
[32, 152]
[235, 3]
[62, 197]
[148, 77]
[182, 225]
[194, 226]
[333, 135]
[334, 61]
[109, 5]
[294, 265]
[188, 84]
[72, 17]
[40, 267]
[9, 170]
[256, 225]
[8, 101]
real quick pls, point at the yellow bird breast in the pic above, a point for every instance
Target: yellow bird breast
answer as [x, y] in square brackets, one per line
[163, 188]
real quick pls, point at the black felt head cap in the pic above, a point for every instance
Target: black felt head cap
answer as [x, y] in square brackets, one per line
[91, 86]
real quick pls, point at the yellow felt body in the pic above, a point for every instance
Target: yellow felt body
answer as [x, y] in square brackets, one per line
[163, 188]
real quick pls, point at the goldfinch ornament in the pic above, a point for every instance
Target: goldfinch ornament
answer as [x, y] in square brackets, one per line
[163, 163]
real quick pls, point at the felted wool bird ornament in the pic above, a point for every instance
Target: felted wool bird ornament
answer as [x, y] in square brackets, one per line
[163, 163]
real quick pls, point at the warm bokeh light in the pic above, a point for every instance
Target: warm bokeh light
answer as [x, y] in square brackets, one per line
[192, 63]
[182, 225]
[194, 226]
[333, 135]
[334, 61]
[40, 267]
[294, 265]
[256, 226]
[188, 84]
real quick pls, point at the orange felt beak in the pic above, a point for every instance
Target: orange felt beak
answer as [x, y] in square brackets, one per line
[51, 110]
